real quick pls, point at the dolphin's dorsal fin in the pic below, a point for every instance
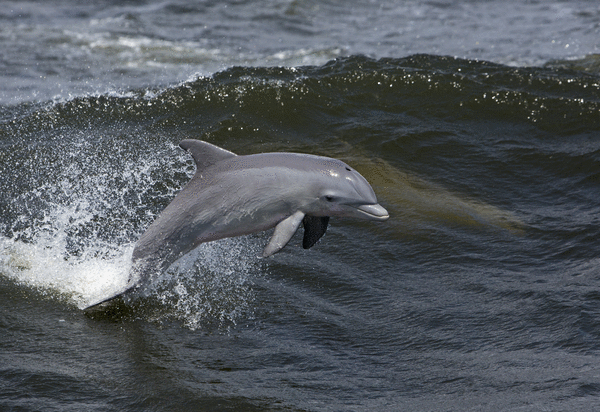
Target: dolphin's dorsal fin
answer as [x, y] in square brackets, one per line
[205, 154]
[314, 229]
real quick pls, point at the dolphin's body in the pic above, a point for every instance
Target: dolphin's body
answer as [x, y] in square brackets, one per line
[234, 195]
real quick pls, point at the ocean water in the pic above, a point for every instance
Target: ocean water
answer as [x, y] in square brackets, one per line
[477, 124]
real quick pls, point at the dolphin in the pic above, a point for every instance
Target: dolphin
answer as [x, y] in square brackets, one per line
[233, 195]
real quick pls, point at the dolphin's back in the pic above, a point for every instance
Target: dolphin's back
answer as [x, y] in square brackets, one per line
[286, 162]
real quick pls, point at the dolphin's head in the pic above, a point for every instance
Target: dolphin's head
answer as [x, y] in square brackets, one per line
[342, 191]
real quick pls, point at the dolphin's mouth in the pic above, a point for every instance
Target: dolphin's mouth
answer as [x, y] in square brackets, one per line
[373, 212]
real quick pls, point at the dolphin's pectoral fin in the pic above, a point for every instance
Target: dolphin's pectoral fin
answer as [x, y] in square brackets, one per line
[314, 228]
[205, 154]
[283, 233]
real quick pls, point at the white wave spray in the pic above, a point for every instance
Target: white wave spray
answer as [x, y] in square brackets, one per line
[71, 236]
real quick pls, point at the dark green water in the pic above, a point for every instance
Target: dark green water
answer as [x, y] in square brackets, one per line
[480, 292]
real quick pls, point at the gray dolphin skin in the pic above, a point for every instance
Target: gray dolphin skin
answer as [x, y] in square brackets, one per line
[233, 195]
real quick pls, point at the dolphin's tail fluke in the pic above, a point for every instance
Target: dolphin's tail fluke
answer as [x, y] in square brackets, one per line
[139, 276]
[106, 301]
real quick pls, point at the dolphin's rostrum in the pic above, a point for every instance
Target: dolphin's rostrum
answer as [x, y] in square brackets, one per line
[234, 195]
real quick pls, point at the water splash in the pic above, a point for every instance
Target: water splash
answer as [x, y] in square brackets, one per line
[62, 245]
[69, 230]
[42, 266]
[212, 285]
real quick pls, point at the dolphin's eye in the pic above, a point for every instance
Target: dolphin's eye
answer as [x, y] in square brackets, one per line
[348, 169]
[329, 198]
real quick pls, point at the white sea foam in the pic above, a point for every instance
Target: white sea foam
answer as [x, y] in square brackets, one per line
[42, 265]
[74, 234]
[52, 257]
[211, 284]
